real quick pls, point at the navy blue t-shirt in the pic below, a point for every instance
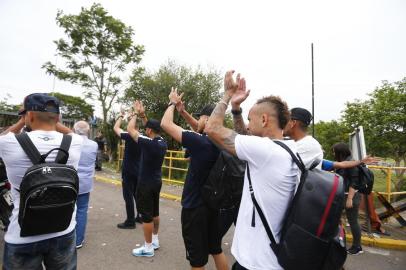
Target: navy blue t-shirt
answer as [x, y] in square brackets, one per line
[152, 156]
[203, 155]
[132, 155]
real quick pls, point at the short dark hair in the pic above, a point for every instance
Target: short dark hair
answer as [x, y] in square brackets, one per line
[280, 107]
[47, 117]
[341, 151]
[303, 127]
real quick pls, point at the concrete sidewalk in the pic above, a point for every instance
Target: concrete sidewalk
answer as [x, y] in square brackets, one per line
[107, 247]
[397, 240]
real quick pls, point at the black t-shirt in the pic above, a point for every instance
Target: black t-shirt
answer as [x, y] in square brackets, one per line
[101, 141]
[152, 156]
[350, 175]
[203, 155]
[132, 156]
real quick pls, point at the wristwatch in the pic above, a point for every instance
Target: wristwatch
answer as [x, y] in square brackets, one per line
[237, 112]
[171, 103]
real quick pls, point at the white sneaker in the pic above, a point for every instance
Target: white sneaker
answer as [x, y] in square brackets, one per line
[143, 252]
[155, 244]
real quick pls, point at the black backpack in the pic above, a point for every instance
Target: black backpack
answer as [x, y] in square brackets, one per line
[3, 172]
[223, 186]
[48, 191]
[366, 179]
[310, 233]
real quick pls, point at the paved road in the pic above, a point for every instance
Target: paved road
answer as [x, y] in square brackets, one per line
[107, 247]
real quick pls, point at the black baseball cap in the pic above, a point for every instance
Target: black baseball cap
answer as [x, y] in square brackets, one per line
[154, 125]
[40, 102]
[302, 115]
[207, 110]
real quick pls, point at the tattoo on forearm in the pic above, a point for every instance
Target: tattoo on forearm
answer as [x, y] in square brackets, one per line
[219, 110]
[239, 125]
[229, 141]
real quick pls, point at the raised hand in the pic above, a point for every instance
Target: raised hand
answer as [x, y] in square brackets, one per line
[180, 106]
[122, 111]
[137, 106]
[142, 109]
[174, 97]
[241, 94]
[230, 86]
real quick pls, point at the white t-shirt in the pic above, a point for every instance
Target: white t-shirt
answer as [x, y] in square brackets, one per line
[17, 162]
[274, 178]
[309, 150]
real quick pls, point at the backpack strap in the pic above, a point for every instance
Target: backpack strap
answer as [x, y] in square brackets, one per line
[299, 163]
[260, 213]
[29, 148]
[296, 158]
[63, 153]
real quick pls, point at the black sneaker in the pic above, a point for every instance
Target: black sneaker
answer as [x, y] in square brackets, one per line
[126, 225]
[355, 250]
[138, 220]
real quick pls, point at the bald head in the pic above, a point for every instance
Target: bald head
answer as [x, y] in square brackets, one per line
[81, 128]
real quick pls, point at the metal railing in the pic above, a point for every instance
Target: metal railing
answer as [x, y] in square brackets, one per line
[389, 172]
[168, 170]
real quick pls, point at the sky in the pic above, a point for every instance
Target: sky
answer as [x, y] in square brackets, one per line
[357, 44]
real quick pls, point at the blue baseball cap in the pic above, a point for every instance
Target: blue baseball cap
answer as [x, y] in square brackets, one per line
[40, 102]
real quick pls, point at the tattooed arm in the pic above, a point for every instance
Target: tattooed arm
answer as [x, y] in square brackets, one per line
[220, 135]
[239, 97]
[239, 125]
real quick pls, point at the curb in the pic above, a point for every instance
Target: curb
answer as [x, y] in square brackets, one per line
[365, 240]
[380, 242]
[118, 183]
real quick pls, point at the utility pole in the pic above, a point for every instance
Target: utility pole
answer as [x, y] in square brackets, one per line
[313, 93]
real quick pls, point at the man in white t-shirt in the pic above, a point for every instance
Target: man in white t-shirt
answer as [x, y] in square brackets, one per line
[54, 250]
[308, 148]
[273, 173]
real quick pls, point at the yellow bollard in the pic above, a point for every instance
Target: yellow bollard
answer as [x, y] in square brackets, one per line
[388, 183]
[170, 166]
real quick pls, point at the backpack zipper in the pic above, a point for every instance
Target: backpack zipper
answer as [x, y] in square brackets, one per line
[51, 205]
[47, 168]
[30, 193]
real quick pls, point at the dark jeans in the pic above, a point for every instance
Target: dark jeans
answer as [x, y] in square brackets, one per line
[226, 218]
[237, 266]
[129, 194]
[99, 159]
[352, 216]
[56, 253]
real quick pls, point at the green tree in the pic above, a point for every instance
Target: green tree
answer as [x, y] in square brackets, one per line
[97, 50]
[199, 88]
[73, 107]
[330, 133]
[5, 106]
[383, 117]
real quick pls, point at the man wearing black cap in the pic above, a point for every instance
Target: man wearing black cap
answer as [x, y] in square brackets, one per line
[308, 148]
[199, 223]
[153, 148]
[54, 250]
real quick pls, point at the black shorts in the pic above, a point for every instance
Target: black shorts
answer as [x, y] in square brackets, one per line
[201, 234]
[148, 201]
